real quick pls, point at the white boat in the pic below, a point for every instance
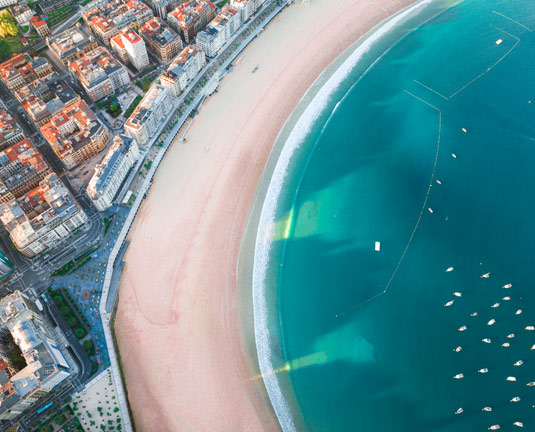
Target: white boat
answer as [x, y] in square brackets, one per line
[458, 376]
[495, 305]
[513, 379]
[486, 340]
[473, 314]
[439, 182]
[430, 210]
[507, 286]
[491, 322]
[499, 41]
[506, 344]
[484, 370]
[518, 312]
[459, 411]
[515, 399]
[506, 298]
[519, 363]
[488, 409]
[486, 275]
[510, 336]
[531, 384]
[532, 347]
[457, 294]
[458, 349]
[464, 130]
[449, 269]
[377, 246]
[463, 328]
[494, 427]
[449, 303]
[519, 424]
[530, 328]
[454, 155]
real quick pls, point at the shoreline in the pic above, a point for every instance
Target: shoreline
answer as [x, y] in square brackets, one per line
[185, 320]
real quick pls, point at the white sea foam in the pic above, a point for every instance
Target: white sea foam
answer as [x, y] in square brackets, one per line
[267, 217]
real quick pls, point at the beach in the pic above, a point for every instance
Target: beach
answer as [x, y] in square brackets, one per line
[178, 319]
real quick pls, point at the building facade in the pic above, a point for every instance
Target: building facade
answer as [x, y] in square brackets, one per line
[75, 134]
[183, 69]
[162, 40]
[20, 70]
[22, 13]
[219, 31]
[149, 114]
[10, 131]
[247, 8]
[71, 44]
[99, 73]
[40, 26]
[191, 17]
[111, 171]
[135, 49]
[42, 218]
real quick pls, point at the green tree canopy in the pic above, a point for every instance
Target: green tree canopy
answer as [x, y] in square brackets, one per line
[7, 24]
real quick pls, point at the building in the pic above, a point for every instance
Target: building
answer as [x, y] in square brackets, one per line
[99, 73]
[49, 6]
[183, 69]
[22, 167]
[21, 69]
[162, 7]
[6, 268]
[10, 131]
[111, 171]
[44, 97]
[149, 114]
[75, 134]
[106, 18]
[71, 44]
[46, 367]
[5, 3]
[21, 12]
[247, 8]
[118, 48]
[40, 26]
[191, 17]
[133, 47]
[162, 40]
[42, 218]
[219, 31]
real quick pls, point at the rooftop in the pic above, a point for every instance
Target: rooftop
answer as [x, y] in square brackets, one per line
[157, 31]
[68, 42]
[94, 67]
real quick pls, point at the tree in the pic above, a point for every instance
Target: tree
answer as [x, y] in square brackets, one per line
[7, 24]
[60, 419]
[79, 333]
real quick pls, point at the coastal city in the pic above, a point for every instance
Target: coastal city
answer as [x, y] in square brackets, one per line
[92, 95]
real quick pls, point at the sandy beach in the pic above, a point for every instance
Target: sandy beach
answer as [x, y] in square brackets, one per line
[177, 324]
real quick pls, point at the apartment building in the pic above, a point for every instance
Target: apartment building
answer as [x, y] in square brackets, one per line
[22, 167]
[149, 114]
[219, 31]
[111, 171]
[162, 40]
[162, 7]
[10, 131]
[183, 69]
[21, 12]
[5, 3]
[21, 69]
[43, 217]
[99, 73]
[247, 8]
[71, 44]
[46, 367]
[191, 17]
[75, 134]
[40, 26]
[130, 47]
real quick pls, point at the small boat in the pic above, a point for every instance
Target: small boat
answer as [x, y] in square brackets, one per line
[449, 269]
[454, 156]
[506, 344]
[495, 305]
[531, 384]
[484, 370]
[463, 328]
[473, 314]
[486, 275]
[510, 336]
[499, 41]
[532, 347]
[494, 427]
[518, 312]
[457, 294]
[513, 379]
[491, 322]
[458, 349]
[530, 328]
[459, 411]
[439, 182]
[519, 424]
[506, 298]
[430, 210]
[377, 246]
[515, 399]
[488, 409]
[449, 303]
[507, 286]
[458, 376]
[464, 130]
[519, 363]
[486, 340]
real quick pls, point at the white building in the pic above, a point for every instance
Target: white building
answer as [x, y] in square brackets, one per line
[43, 217]
[149, 114]
[219, 31]
[183, 69]
[247, 8]
[111, 171]
[135, 49]
[4, 3]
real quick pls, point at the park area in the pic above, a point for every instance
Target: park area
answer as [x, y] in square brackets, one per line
[9, 35]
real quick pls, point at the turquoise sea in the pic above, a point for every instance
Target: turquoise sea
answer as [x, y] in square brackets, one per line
[361, 339]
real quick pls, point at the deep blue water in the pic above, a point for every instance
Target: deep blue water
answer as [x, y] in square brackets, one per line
[388, 363]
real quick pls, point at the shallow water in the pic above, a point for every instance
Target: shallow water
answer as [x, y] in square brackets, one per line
[369, 343]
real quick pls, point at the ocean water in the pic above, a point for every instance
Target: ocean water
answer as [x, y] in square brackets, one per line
[364, 340]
